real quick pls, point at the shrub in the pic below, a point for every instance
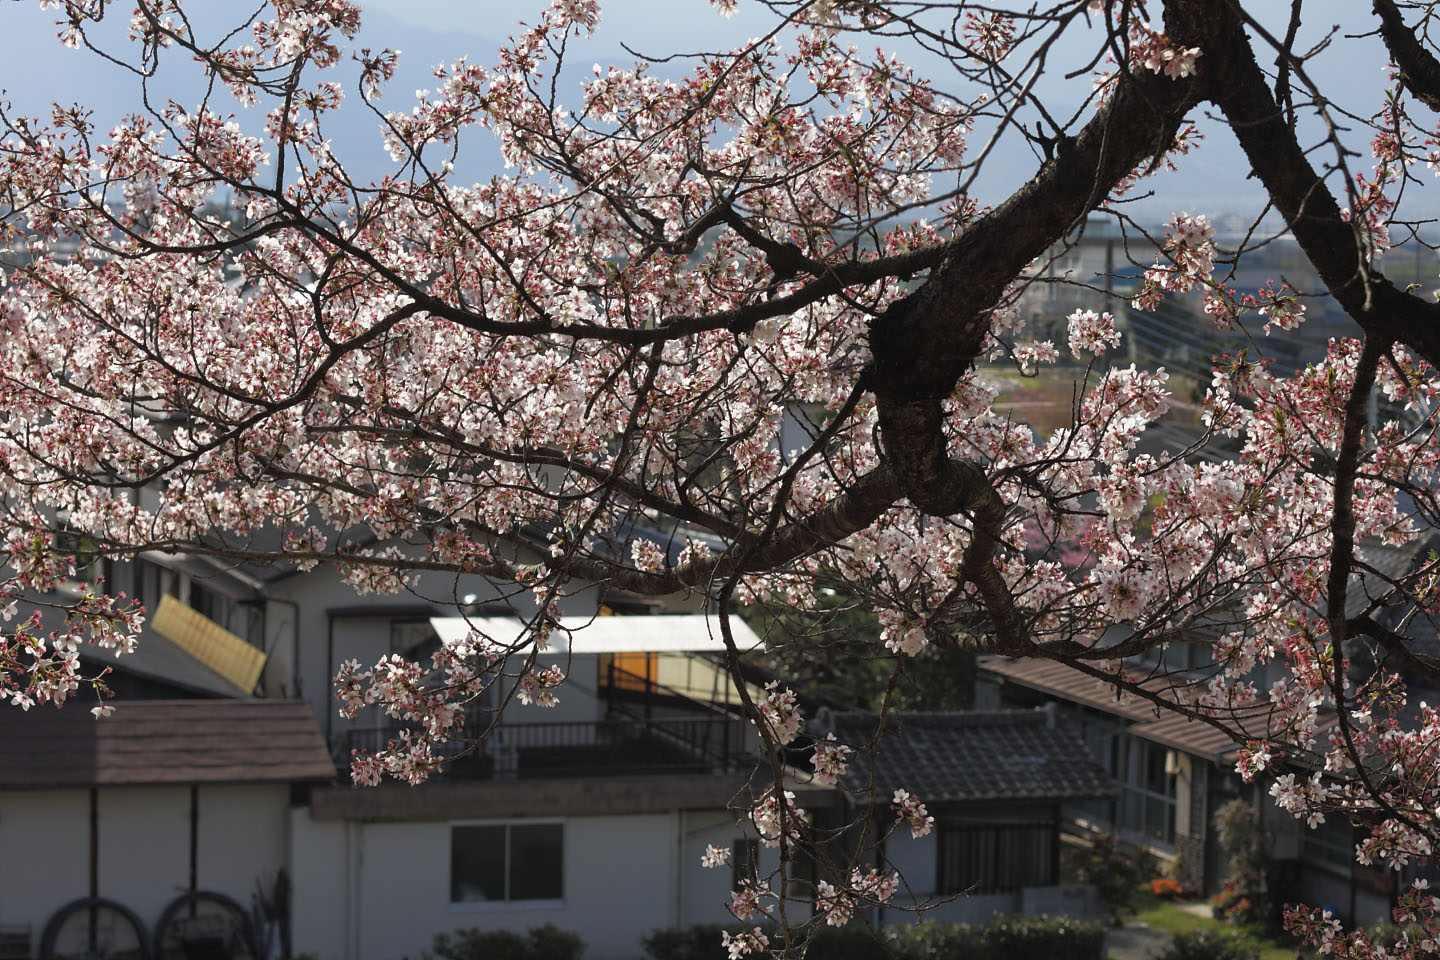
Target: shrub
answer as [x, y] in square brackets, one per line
[546, 942]
[1210, 945]
[1115, 875]
[700, 942]
[1241, 901]
[1043, 938]
[930, 940]
[855, 941]
[1013, 938]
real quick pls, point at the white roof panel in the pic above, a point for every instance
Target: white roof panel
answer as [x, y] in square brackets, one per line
[661, 633]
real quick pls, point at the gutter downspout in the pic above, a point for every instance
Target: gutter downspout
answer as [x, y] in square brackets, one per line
[294, 638]
[329, 666]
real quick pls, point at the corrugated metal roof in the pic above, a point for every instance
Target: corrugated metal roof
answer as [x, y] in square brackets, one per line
[661, 633]
[977, 757]
[162, 741]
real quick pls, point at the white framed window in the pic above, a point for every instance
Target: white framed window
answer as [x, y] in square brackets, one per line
[517, 862]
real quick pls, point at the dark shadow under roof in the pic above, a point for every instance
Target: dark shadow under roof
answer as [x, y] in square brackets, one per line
[158, 659]
[960, 758]
[160, 742]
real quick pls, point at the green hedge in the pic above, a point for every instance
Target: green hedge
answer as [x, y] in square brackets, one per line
[1043, 938]
[1011, 938]
[546, 942]
[1211, 945]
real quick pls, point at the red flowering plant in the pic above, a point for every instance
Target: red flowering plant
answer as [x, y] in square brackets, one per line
[1168, 888]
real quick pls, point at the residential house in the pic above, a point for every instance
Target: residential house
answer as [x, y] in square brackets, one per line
[997, 783]
[1175, 774]
[641, 765]
[106, 827]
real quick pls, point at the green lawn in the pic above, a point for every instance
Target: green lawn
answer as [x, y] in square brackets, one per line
[1168, 917]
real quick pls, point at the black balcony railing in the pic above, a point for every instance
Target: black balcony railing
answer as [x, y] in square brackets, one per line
[674, 745]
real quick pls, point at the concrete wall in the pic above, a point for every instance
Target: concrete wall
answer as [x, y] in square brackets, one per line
[320, 884]
[46, 842]
[243, 838]
[143, 847]
[916, 858]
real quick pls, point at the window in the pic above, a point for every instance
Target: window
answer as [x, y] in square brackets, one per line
[995, 857]
[1148, 803]
[506, 863]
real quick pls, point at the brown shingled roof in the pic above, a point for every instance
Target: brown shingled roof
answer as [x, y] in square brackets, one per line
[162, 741]
[1164, 727]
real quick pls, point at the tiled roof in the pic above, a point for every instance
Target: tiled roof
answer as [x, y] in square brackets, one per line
[1150, 722]
[162, 741]
[970, 757]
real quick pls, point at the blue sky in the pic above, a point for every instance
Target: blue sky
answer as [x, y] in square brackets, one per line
[35, 70]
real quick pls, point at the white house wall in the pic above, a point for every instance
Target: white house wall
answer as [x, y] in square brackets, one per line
[47, 830]
[242, 838]
[143, 846]
[624, 876]
[705, 892]
[319, 884]
[915, 858]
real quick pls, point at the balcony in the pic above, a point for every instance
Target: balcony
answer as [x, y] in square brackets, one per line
[714, 744]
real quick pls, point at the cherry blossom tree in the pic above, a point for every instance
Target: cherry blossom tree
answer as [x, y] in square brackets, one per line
[580, 371]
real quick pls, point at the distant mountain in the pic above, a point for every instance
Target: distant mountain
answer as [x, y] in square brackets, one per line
[35, 70]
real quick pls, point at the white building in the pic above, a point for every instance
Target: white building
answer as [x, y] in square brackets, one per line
[592, 815]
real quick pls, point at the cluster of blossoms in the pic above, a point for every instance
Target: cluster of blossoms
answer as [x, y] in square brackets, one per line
[771, 820]
[40, 666]
[407, 758]
[989, 34]
[1416, 934]
[744, 943]
[837, 904]
[780, 713]
[1190, 250]
[1092, 333]
[829, 760]
[538, 686]
[746, 902]
[902, 633]
[647, 555]
[1153, 50]
[910, 810]
[714, 856]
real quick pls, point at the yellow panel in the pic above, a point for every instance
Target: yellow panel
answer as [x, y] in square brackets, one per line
[211, 644]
